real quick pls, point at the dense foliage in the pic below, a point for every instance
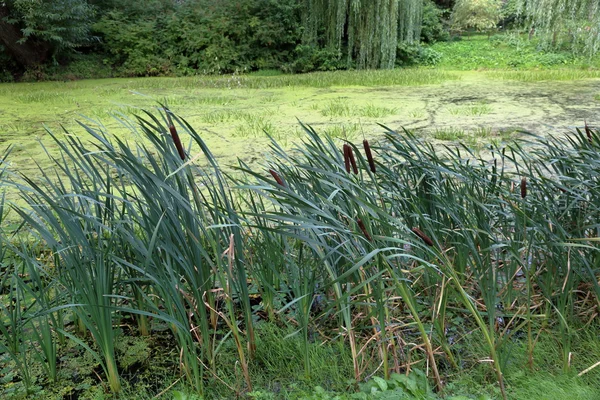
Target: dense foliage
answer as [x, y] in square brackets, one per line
[34, 31]
[202, 36]
[566, 23]
[433, 28]
[478, 14]
[369, 31]
[168, 37]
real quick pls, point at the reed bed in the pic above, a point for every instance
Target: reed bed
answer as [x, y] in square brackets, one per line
[378, 245]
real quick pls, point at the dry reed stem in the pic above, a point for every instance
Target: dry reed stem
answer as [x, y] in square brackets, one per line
[585, 371]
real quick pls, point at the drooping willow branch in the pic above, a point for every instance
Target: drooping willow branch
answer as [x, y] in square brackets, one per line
[576, 21]
[365, 31]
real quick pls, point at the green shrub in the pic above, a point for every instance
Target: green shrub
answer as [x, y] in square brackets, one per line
[309, 58]
[203, 36]
[415, 54]
[55, 26]
[433, 29]
[90, 66]
[7, 67]
[510, 16]
[136, 46]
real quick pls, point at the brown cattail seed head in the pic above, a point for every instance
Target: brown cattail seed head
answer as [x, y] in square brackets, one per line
[588, 132]
[523, 188]
[369, 155]
[352, 160]
[362, 227]
[277, 178]
[346, 158]
[177, 141]
[423, 236]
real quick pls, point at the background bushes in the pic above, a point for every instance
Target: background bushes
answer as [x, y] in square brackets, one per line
[433, 28]
[202, 36]
[6, 66]
[166, 37]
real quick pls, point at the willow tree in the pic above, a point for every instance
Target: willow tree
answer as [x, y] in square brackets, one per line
[367, 31]
[577, 21]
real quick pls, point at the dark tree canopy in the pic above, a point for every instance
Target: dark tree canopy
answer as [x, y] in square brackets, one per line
[365, 32]
[162, 37]
[33, 31]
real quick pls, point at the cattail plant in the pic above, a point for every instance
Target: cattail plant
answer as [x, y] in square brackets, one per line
[369, 156]
[588, 132]
[85, 247]
[174, 134]
[277, 178]
[195, 249]
[352, 160]
[363, 229]
[177, 141]
[423, 236]
[347, 157]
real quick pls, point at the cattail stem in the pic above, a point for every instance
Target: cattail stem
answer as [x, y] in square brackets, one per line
[277, 178]
[177, 141]
[363, 228]
[423, 236]
[369, 156]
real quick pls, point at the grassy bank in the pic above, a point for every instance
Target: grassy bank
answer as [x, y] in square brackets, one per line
[507, 50]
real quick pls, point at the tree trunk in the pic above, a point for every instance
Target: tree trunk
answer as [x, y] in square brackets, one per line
[27, 54]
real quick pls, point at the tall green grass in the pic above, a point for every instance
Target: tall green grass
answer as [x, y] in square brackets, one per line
[394, 249]
[545, 75]
[397, 77]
